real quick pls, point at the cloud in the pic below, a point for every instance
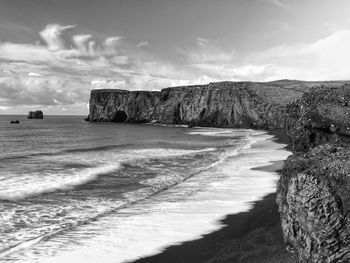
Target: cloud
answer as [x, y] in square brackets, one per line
[282, 4]
[143, 44]
[34, 74]
[37, 91]
[324, 59]
[207, 51]
[55, 75]
[25, 52]
[208, 61]
[52, 36]
[81, 42]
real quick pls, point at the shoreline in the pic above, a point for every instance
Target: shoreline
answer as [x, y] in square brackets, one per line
[253, 236]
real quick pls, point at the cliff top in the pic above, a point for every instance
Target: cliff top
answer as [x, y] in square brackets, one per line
[278, 91]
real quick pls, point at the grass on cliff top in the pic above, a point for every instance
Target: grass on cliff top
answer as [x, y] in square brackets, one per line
[285, 91]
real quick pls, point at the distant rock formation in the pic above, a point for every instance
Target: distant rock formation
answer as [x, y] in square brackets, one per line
[35, 115]
[15, 122]
[222, 104]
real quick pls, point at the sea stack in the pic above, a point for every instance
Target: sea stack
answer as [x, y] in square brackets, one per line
[35, 115]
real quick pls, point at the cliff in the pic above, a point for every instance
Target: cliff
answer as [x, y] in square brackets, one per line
[222, 104]
[321, 115]
[35, 115]
[313, 193]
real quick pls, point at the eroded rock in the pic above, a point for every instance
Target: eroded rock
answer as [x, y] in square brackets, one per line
[313, 193]
[223, 104]
[314, 202]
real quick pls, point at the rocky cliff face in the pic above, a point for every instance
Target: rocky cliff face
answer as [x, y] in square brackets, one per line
[221, 104]
[123, 106]
[313, 193]
[321, 115]
[224, 104]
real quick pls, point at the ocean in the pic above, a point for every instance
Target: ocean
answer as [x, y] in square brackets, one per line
[74, 191]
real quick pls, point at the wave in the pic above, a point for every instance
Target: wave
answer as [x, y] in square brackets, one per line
[163, 182]
[221, 132]
[18, 246]
[104, 207]
[48, 184]
[76, 150]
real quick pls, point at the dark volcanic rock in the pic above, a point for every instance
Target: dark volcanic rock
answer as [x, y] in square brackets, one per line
[224, 104]
[35, 115]
[314, 202]
[313, 193]
[14, 122]
[123, 106]
[320, 116]
[221, 104]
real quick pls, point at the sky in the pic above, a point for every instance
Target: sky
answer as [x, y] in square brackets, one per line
[54, 52]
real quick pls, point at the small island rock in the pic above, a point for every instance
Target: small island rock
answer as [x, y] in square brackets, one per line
[15, 122]
[35, 115]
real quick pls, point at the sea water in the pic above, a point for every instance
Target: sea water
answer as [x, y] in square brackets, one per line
[74, 191]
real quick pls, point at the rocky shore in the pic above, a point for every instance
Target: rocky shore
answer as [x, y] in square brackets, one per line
[313, 194]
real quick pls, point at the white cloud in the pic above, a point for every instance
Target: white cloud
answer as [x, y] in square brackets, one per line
[282, 4]
[92, 47]
[207, 51]
[324, 59]
[4, 108]
[143, 44]
[202, 41]
[81, 42]
[24, 52]
[52, 36]
[34, 74]
[39, 91]
[110, 45]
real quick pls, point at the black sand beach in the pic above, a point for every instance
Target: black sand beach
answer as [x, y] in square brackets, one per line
[253, 236]
[249, 237]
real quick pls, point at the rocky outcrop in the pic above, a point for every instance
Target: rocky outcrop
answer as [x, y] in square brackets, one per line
[313, 193]
[35, 115]
[15, 122]
[114, 105]
[223, 104]
[321, 115]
